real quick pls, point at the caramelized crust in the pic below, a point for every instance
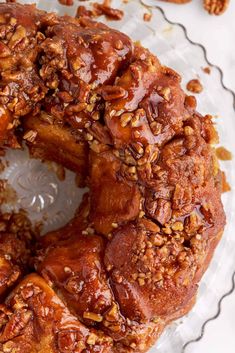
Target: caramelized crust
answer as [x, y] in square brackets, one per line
[74, 267]
[78, 273]
[130, 262]
[54, 65]
[34, 319]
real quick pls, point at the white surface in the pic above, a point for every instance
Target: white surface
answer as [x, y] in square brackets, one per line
[217, 35]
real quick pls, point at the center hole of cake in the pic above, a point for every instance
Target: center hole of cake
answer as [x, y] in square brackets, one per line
[45, 190]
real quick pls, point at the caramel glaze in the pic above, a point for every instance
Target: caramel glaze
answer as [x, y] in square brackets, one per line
[85, 96]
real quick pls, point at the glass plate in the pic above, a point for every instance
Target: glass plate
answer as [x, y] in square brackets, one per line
[46, 198]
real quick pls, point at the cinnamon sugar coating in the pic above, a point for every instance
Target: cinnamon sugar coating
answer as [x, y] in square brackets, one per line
[85, 96]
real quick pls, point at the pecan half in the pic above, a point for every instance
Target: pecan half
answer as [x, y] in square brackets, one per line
[216, 7]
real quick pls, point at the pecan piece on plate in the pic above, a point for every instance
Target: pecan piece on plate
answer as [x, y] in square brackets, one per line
[194, 86]
[216, 7]
[223, 154]
[66, 2]
[177, 1]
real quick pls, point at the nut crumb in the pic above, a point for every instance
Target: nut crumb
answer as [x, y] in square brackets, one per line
[99, 10]
[178, 226]
[147, 16]
[188, 130]
[141, 281]
[141, 214]
[207, 70]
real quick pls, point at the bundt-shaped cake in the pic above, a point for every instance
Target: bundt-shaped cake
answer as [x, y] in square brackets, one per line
[85, 96]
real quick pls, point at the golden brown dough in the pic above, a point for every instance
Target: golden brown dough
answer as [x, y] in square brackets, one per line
[88, 98]
[71, 154]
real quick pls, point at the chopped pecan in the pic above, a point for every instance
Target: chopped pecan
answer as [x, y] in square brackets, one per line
[148, 225]
[163, 211]
[159, 210]
[207, 70]
[112, 92]
[209, 132]
[92, 316]
[4, 50]
[223, 154]
[82, 11]
[225, 185]
[109, 12]
[99, 10]
[19, 35]
[194, 86]
[125, 119]
[182, 196]
[190, 102]
[100, 132]
[147, 16]
[193, 223]
[30, 135]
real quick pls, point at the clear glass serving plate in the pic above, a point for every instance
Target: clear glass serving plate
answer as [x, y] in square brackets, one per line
[40, 192]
